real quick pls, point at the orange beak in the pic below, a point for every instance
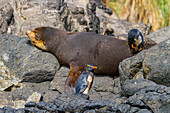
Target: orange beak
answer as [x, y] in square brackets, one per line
[94, 67]
[132, 45]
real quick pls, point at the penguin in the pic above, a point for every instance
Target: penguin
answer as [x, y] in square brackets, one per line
[85, 80]
[109, 32]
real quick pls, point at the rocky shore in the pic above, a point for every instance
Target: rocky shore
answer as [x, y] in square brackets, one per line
[32, 80]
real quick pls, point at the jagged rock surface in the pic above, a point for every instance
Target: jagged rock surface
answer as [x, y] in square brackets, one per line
[150, 99]
[74, 16]
[20, 61]
[151, 64]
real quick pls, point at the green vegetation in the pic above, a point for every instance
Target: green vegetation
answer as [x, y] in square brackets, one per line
[115, 5]
[163, 5]
[155, 13]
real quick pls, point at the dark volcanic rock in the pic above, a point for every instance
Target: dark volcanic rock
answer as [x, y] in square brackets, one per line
[150, 99]
[9, 110]
[160, 35]
[130, 87]
[77, 103]
[150, 64]
[25, 62]
[30, 104]
[29, 88]
[165, 108]
[63, 14]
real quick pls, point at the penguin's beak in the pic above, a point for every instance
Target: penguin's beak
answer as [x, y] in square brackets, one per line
[94, 67]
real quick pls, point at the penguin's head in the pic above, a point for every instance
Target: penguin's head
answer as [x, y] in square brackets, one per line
[90, 68]
[109, 31]
[135, 41]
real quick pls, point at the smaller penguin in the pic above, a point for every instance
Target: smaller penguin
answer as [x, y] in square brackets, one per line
[85, 80]
[109, 32]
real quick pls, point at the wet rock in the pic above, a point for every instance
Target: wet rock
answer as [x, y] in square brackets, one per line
[151, 64]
